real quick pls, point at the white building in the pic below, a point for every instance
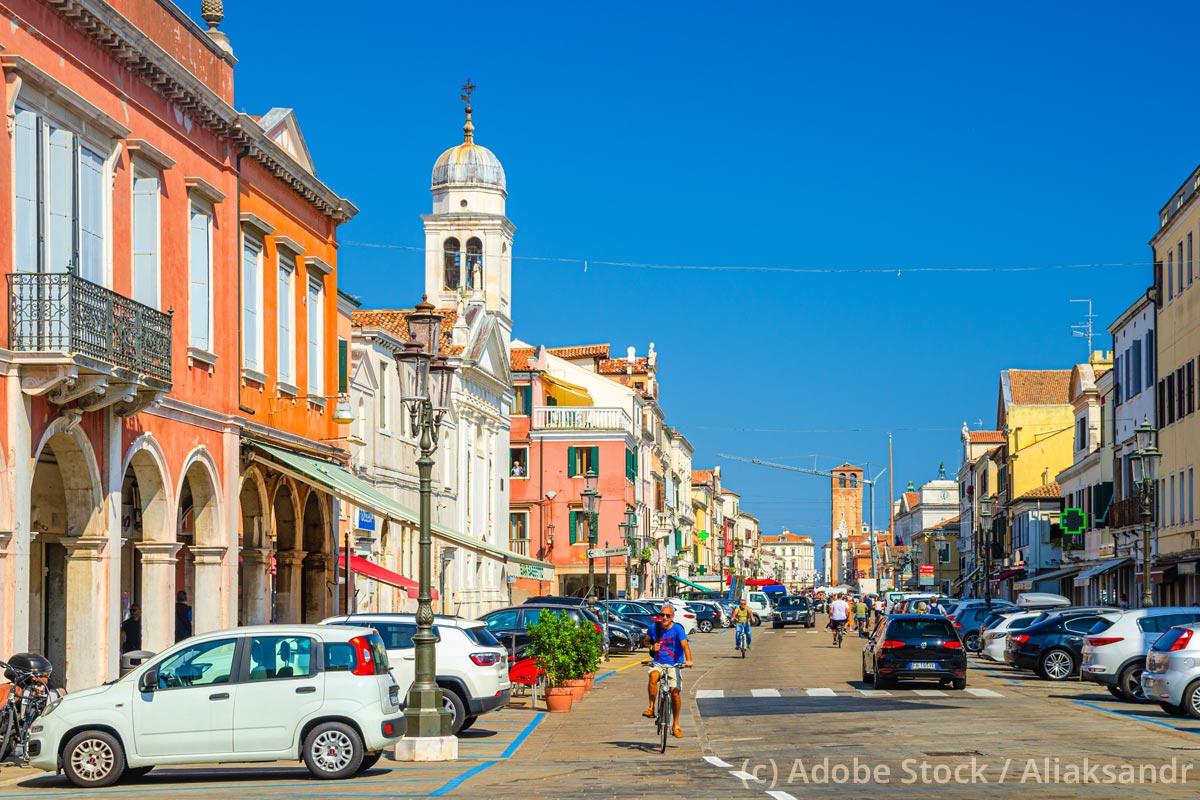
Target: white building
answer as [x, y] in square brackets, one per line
[791, 558]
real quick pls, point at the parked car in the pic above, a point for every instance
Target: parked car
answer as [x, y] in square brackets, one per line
[1114, 650]
[1052, 646]
[511, 625]
[968, 616]
[472, 666]
[994, 637]
[630, 610]
[1172, 670]
[683, 616]
[264, 693]
[914, 647]
[707, 617]
[793, 610]
[722, 612]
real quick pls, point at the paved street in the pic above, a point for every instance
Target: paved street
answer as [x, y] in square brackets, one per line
[793, 710]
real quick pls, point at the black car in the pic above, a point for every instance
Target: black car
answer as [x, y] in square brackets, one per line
[793, 610]
[511, 625]
[707, 617]
[1052, 647]
[630, 611]
[915, 647]
[968, 621]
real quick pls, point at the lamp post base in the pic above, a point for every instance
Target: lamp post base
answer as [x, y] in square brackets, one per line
[427, 748]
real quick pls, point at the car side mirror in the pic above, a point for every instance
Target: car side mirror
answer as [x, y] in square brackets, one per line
[149, 681]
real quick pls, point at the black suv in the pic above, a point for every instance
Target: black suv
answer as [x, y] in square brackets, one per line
[915, 647]
[793, 610]
[1052, 647]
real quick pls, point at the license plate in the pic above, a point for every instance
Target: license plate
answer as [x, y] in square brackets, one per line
[922, 665]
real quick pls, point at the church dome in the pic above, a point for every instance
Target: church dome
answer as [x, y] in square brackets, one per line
[468, 163]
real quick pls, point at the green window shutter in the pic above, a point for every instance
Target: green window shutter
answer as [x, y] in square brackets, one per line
[596, 460]
[573, 523]
[343, 366]
[527, 391]
[571, 471]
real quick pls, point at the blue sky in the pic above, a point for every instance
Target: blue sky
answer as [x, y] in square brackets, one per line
[796, 135]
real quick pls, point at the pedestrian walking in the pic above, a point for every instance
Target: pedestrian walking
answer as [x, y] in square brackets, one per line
[131, 630]
[183, 616]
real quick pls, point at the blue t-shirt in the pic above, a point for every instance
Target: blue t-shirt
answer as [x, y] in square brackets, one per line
[670, 644]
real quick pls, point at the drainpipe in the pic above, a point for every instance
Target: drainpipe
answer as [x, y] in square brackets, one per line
[238, 367]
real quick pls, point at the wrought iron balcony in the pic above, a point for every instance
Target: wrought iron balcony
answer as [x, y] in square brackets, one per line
[574, 418]
[59, 312]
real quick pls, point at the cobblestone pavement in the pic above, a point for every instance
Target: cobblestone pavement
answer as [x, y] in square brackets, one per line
[791, 720]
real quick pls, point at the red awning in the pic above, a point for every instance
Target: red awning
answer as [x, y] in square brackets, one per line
[756, 582]
[377, 573]
[1006, 574]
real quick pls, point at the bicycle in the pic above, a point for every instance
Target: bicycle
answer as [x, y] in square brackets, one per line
[838, 633]
[664, 711]
[741, 643]
[22, 701]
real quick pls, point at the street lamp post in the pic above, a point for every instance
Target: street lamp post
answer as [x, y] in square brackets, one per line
[629, 528]
[427, 736]
[1145, 475]
[591, 507]
[985, 515]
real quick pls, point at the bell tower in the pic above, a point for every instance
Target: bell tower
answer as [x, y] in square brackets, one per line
[468, 238]
[847, 512]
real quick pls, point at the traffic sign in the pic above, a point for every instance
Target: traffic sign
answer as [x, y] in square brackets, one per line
[1074, 521]
[606, 552]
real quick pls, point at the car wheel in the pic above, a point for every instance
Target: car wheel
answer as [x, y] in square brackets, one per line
[756, 621]
[958, 683]
[705, 626]
[1191, 700]
[866, 677]
[369, 760]
[971, 642]
[133, 773]
[469, 721]
[776, 625]
[1115, 692]
[880, 682]
[93, 759]
[1129, 684]
[1172, 709]
[1056, 665]
[333, 750]
[453, 705]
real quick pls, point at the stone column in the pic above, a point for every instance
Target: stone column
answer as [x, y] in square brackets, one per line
[87, 619]
[206, 605]
[316, 586]
[158, 594]
[255, 585]
[289, 595]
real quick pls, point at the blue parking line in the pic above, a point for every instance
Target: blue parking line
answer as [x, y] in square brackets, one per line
[1135, 715]
[605, 675]
[996, 674]
[523, 735]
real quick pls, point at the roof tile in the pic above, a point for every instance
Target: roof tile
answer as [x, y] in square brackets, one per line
[580, 351]
[1040, 387]
[986, 437]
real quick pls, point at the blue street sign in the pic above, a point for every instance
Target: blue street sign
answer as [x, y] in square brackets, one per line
[366, 520]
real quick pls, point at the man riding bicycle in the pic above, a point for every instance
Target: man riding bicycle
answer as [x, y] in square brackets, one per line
[742, 616]
[668, 643]
[839, 612]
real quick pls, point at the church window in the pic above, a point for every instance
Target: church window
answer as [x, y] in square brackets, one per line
[842, 480]
[474, 264]
[450, 258]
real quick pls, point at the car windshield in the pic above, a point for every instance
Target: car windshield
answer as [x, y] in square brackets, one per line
[792, 602]
[1101, 625]
[481, 636]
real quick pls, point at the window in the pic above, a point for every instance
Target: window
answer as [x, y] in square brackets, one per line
[631, 465]
[1150, 359]
[1190, 369]
[523, 400]
[1171, 502]
[1179, 393]
[451, 263]
[518, 533]
[582, 459]
[202, 664]
[59, 204]
[578, 527]
[251, 305]
[1179, 261]
[1170, 275]
[200, 278]
[343, 366]
[1170, 398]
[503, 620]
[1135, 369]
[396, 635]
[316, 333]
[841, 480]
[286, 320]
[382, 400]
[474, 264]
[145, 238]
[1190, 270]
[1191, 515]
[1080, 433]
[274, 657]
[1182, 499]
[518, 460]
[943, 552]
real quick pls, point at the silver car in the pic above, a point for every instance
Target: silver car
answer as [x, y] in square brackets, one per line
[1172, 667]
[1114, 651]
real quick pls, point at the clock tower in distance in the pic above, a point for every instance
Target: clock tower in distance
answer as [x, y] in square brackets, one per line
[847, 506]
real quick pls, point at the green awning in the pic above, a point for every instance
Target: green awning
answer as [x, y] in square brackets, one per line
[686, 582]
[357, 492]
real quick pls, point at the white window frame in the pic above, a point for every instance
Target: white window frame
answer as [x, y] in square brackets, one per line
[382, 398]
[316, 331]
[285, 324]
[154, 265]
[201, 345]
[252, 304]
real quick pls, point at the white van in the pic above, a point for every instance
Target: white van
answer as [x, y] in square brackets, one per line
[758, 602]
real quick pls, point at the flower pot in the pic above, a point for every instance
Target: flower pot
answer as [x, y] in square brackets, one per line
[559, 699]
[588, 680]
[578, 687]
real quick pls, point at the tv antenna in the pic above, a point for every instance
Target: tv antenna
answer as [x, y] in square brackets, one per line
[1084, 329]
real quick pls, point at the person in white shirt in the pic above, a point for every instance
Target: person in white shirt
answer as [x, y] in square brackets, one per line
[839, 612]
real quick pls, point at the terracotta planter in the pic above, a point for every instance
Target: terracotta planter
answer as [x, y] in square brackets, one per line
[577, 687]
[559, 699]
[588, 680]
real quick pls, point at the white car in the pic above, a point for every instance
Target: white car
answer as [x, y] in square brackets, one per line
[995, 638]
[472, 667]
[263, 693]
[684, 617]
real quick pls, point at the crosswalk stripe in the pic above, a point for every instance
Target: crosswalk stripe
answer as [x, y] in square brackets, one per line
[820, 692]
[875, 692]
[701, 693]
[929, 693]
[764, 693]
[984, 693]
[716, 762]
[781, 796]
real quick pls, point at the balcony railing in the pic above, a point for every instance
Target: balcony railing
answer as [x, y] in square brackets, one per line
[58, 312]
[1125, 513]
[519, 546]
[580, 418]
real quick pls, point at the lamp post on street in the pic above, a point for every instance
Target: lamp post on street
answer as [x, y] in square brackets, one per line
[1145, 475]
[629, 529]
[427, 736]
[591, 508]
[985, 517]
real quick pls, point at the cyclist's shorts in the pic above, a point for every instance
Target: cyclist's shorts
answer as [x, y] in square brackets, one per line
[671, 671]
[837, 623]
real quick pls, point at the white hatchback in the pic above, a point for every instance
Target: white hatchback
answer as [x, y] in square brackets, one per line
[471, 665]
[263, 693]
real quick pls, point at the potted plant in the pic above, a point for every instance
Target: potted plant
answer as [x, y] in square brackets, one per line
[646, 553]
[552, 645]
[589, 651]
